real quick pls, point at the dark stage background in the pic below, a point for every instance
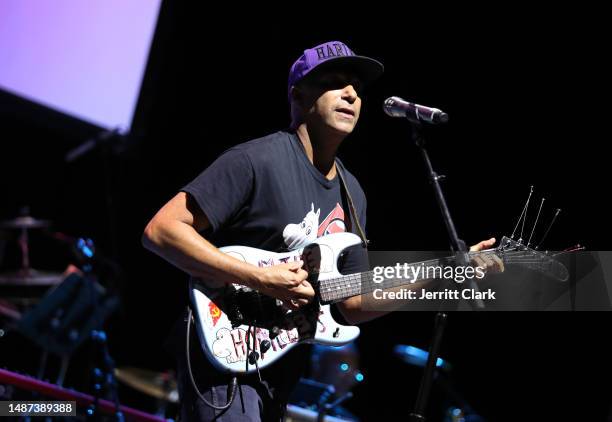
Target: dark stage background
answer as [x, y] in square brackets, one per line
[517, 95]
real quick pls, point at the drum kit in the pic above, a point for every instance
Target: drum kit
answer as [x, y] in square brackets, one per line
[26, 275]
[19, 288]
[159, 385]
[23, 288]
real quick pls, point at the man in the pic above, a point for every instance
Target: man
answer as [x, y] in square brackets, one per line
[278, 192]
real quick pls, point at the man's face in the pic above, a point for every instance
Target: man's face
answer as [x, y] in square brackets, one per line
[331, 100]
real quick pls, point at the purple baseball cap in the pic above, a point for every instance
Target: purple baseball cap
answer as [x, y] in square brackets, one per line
[330, 55]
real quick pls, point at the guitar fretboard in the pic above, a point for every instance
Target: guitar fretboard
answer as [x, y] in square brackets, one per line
[340, 288]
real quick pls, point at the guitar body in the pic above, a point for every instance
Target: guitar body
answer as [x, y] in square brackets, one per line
[233, 321]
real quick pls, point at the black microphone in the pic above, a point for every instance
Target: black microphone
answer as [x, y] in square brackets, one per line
[397, 107]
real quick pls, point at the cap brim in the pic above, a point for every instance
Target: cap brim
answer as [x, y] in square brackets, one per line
[366, 68]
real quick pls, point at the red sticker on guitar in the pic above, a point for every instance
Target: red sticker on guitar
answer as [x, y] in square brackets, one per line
[215, 312]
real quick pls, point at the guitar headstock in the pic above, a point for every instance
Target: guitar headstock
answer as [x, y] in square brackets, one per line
[514, 252]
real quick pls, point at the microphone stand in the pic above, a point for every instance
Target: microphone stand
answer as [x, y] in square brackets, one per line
[462, 258]
[111, 141]
[105, 137]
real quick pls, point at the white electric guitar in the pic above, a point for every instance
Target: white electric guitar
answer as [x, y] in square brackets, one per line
[241, 329]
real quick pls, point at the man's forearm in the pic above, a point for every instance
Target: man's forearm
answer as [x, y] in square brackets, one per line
[181, 245]
[353, 309]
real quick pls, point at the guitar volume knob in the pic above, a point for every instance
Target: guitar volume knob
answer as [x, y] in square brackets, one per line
[264, 346]
[253, 356]
[274, 332]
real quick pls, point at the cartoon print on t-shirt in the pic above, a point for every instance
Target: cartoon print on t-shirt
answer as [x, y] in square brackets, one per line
[302, 234]
[333, 223]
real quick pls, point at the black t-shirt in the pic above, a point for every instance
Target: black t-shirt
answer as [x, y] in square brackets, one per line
[267, 194]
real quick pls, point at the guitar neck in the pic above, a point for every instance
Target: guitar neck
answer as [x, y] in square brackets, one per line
[338, 289]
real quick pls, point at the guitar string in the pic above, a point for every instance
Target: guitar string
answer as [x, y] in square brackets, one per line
[338, 284]
[334, 282]
[331, 285]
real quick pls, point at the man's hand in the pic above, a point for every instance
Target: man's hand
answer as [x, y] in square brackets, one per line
[286, 282]
[485, 244]
[488, 262]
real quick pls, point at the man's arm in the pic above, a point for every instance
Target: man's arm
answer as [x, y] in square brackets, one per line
[352, 308]
[173, 234]
[353, 312]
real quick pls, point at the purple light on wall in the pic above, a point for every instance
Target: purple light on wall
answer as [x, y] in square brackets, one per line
[83, 58]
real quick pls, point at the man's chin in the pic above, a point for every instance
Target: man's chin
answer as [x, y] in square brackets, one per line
[344, 128]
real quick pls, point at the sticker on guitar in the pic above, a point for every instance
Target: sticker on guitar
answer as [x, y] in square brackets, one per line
[231, 344]
[215, 312]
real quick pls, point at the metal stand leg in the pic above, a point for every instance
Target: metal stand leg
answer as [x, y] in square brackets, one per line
[63, 369]
[421, 402]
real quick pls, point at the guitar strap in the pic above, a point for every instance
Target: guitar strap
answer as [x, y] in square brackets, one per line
[353, 212]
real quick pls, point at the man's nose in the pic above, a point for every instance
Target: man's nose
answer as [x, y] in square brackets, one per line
[349, 94]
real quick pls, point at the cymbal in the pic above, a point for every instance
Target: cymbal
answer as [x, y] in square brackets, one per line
[9, 310]
[24, 222]
[30, 277]
[161, 385]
